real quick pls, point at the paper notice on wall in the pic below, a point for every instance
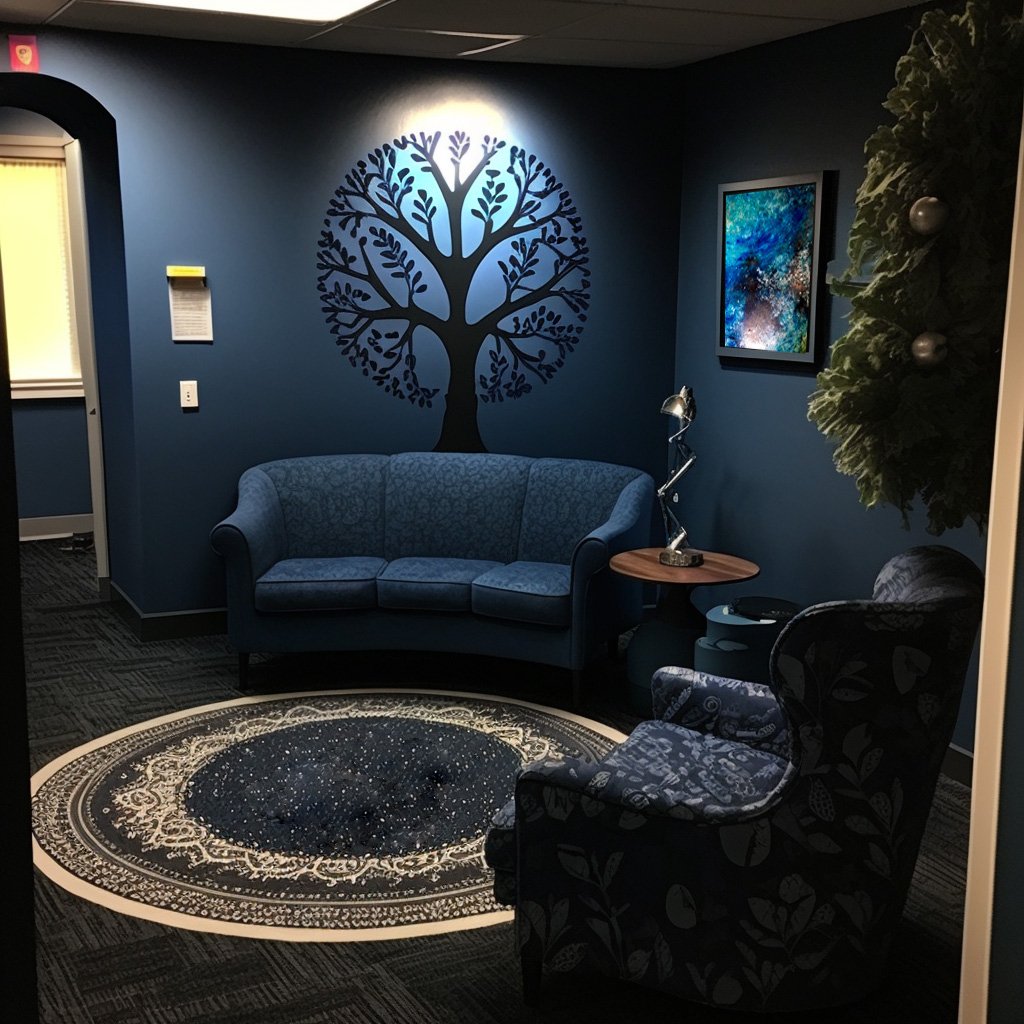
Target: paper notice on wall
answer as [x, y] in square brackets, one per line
[191, 309]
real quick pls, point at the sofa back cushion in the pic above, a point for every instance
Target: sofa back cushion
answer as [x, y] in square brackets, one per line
[452, 505]
[565, 500]
[333, 505]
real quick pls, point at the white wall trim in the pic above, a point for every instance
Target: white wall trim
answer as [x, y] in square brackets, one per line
[996, 624]
[51, 527]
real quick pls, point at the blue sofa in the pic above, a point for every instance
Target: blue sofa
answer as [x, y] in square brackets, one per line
[474, 553]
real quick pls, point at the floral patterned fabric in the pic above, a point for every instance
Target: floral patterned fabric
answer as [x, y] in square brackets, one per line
[565, 500]
[445, 505]
[433, 583]
[730, 708]
[434, 524]
[319, 583]
[713, 866]
[331, 505]
[526, 592]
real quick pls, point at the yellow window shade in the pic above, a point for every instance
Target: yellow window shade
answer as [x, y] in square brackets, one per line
[36, 272]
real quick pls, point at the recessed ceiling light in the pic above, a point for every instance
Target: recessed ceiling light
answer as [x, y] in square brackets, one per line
[319, 11]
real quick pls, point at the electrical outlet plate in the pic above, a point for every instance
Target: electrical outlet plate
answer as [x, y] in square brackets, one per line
[189, 394]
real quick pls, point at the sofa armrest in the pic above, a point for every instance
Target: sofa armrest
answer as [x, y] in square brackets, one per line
[733, 709]
[253, 537]
[627, 526]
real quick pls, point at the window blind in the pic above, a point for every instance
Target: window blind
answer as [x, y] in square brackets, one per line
[36, 270]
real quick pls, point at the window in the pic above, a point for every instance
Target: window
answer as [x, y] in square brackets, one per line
[34, 257]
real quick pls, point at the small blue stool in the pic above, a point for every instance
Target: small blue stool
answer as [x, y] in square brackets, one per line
[740, 638]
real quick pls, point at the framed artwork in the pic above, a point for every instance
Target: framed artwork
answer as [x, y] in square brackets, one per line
[769, 278]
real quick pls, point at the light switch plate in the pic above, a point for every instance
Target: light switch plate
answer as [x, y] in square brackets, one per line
[189, 394]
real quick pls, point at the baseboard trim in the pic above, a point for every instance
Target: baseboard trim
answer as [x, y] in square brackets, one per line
[958, 764]
[54, 527]
[168, 625]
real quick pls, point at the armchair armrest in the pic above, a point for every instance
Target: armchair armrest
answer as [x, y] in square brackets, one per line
[730, 708]
[553, 791]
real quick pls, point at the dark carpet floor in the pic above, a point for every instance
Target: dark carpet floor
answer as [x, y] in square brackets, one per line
[88, 675]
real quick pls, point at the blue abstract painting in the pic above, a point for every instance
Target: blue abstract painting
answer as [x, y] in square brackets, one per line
[767, 285]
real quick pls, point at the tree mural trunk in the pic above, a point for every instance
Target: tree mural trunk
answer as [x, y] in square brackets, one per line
[459, 429]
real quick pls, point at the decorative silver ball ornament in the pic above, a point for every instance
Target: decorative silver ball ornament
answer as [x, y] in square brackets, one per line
[928, 215]
[929, 348]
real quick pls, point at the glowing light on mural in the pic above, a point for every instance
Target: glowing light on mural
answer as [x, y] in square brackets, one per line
[473, 117]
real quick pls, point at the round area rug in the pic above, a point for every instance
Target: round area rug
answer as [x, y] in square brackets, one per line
[332, 816]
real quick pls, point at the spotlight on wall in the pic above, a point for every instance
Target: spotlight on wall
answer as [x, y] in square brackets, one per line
[683, 407]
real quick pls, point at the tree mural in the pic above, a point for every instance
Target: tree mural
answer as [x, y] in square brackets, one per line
[470, 256]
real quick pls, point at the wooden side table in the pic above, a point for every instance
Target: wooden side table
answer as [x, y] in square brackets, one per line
[668, 636]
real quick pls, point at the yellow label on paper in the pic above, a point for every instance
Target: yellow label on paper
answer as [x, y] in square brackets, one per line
[186, 271]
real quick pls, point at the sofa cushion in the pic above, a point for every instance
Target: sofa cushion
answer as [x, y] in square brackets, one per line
[298, 584]
[565, 500]
[432, 584]
[452, 505]
[525, 591]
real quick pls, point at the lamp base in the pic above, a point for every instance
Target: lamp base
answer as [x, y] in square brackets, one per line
[684, 557]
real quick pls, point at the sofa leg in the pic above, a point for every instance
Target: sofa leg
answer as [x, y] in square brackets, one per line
[243, 670]
[577, 688]
[532, 971]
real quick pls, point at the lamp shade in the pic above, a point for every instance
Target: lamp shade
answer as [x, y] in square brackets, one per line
[682, 405]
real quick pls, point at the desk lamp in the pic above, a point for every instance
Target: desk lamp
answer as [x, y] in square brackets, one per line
[684, 408]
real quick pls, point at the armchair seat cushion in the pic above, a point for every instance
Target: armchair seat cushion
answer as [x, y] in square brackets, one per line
[437, 584]
[295, 584]
[668, 769]
[536, 592]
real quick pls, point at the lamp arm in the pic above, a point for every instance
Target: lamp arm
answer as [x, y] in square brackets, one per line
[690, 457]
[674, 530]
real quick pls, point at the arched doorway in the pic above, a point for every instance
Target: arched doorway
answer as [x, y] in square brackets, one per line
[82, 117]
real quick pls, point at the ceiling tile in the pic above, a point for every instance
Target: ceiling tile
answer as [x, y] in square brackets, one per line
[411, 44]
[725, 30]
[522, 18]
[834, 10]
[603, 52]
[156, 21]
[30, 10]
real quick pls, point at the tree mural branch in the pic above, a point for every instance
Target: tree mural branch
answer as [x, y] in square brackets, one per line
[481, 272]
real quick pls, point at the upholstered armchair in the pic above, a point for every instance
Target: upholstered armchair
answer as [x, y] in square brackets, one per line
[751, 846]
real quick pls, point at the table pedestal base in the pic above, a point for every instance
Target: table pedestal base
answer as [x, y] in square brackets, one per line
[667, 638]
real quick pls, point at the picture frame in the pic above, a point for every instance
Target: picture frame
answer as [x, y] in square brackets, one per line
[770, 274]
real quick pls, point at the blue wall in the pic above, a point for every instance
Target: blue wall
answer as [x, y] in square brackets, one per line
[228, 157]
[764, 486]
[51, 457]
